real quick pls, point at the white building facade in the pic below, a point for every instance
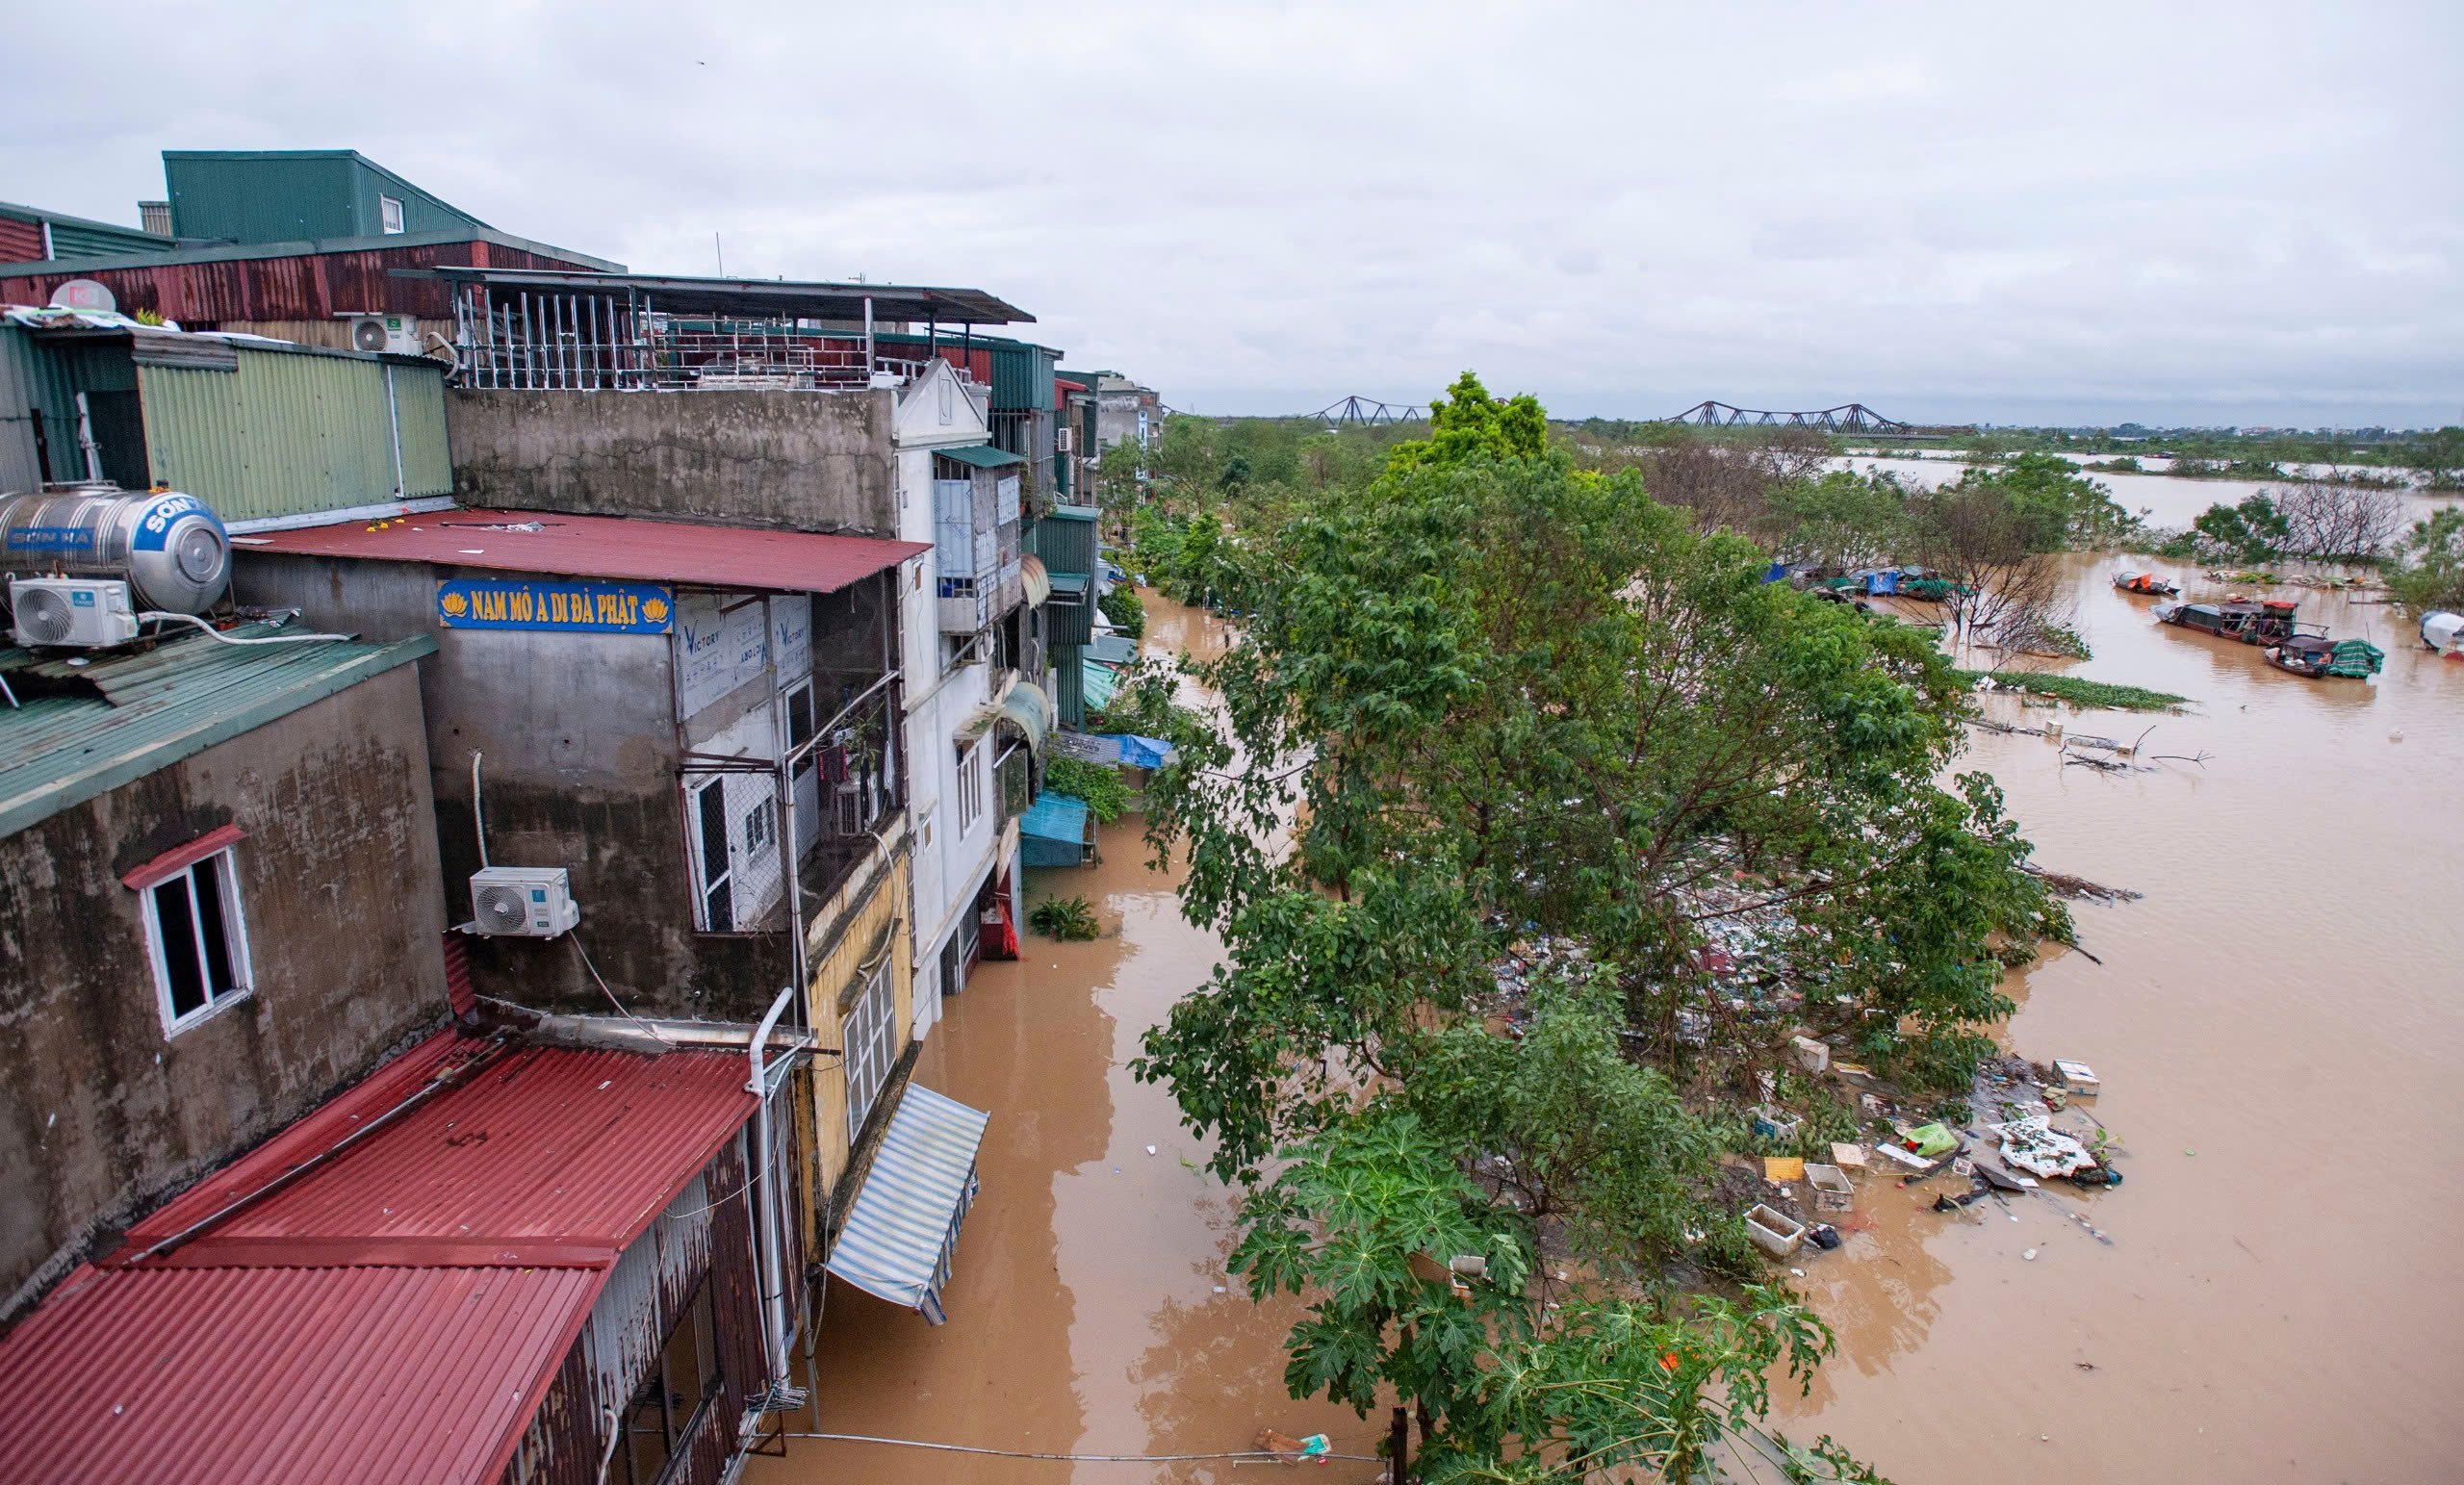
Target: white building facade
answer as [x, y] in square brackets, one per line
[965, 619]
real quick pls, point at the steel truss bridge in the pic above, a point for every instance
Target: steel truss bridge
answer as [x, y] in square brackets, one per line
[1847, 418]
[1368, 411]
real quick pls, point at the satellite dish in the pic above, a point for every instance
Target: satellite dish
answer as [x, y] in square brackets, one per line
[85, 294]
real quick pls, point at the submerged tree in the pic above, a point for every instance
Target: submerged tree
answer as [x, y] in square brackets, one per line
[1491, 697]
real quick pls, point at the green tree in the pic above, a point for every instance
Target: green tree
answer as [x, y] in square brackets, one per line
[2439, 455]
[1490, 697]
[1416, 1285]
[2252, 532]
[2427, 569]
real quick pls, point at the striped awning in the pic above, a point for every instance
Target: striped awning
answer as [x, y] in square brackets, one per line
[903, 1231]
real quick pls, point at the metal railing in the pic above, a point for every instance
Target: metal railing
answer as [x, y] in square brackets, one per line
[620, 342]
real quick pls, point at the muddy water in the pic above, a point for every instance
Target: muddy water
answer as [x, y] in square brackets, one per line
[2164, 502]
[2286, 1003]
[2277, 1027]
[1090, 1312]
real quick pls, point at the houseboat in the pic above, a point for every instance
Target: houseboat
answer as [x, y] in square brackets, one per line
[2316, 657]
[2150, 584]
[2268, 621]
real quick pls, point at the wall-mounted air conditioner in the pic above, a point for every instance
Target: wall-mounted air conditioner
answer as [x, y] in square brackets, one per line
[1061, 437]
[521, 902]
[83, 612]
[392, 334]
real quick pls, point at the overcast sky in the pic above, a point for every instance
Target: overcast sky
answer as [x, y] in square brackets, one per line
[2244, 212]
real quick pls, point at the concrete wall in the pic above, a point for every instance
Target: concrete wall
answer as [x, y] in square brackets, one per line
[580, 770]
[101, 1116]
[807, 461]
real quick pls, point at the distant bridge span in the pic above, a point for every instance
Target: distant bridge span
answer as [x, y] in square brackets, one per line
[1368, 410]
[1847, 418]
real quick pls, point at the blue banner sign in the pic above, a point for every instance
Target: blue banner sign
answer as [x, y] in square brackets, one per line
[542, 604]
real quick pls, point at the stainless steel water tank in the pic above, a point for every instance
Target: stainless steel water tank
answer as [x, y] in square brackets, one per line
[170, 547]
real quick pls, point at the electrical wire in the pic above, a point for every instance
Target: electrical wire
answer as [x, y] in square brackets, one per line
[1130, 1459]
[653, 1031]
[211, 632]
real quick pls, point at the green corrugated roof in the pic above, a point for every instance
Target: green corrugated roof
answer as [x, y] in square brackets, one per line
[1072, 513]
[80, 731]
[982, 456]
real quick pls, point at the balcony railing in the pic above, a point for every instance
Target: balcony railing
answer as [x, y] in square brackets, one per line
[616, 343]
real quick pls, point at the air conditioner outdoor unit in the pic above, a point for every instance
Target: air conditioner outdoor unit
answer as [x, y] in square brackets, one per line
[1061, 440]
[394, 334]
[83, 612]
[523, 902]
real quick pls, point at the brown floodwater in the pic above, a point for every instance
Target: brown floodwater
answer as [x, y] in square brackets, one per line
[2275, 1024]
[1090, 1311]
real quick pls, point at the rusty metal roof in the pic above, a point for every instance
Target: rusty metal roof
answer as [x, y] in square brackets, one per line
[530, 541]
[540, 1155]
[81, 730]
[763, 296]
[380, 1294]
[381, 1376]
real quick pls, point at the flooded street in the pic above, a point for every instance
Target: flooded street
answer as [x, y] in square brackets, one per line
[1090, 1312]
[2275, 1024]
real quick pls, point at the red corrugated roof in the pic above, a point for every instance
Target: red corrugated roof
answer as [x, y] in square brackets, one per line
[543, 1156]
[379, 1376]
[718, 556]
[395, 1310]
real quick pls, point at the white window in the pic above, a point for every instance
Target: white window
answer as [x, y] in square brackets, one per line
[391, 211]
[872, 1048]
[971, 787]
[709, 821]
[200, 944]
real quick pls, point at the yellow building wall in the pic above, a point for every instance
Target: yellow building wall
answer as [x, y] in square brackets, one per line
[878, 925]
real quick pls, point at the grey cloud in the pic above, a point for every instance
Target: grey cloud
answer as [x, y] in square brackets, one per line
[1947, 211]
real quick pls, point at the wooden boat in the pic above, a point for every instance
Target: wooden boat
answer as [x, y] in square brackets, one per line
[2147, 583]
[2268, 621]
[2317, 658]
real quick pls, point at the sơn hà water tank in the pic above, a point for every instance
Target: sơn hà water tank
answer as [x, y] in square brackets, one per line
[170, 547]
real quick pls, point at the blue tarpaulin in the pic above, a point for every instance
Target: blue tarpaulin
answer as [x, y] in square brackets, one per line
[1053, 832]
[1142, 752]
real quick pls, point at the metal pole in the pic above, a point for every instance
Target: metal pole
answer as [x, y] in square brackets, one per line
[868, 340]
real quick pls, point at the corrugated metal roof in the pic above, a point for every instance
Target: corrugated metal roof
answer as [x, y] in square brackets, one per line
[281, 195]
[393, 1314]
[606, 547]
[379, 1376]
[545, 1156]
[982, 456]
[125, 716]
[290, 280]
[756, 296]
[74, 237]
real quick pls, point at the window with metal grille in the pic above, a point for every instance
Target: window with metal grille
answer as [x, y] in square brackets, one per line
[871, 1035]
[199, 942]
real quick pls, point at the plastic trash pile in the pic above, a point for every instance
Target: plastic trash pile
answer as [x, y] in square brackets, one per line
[2034, 1146]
